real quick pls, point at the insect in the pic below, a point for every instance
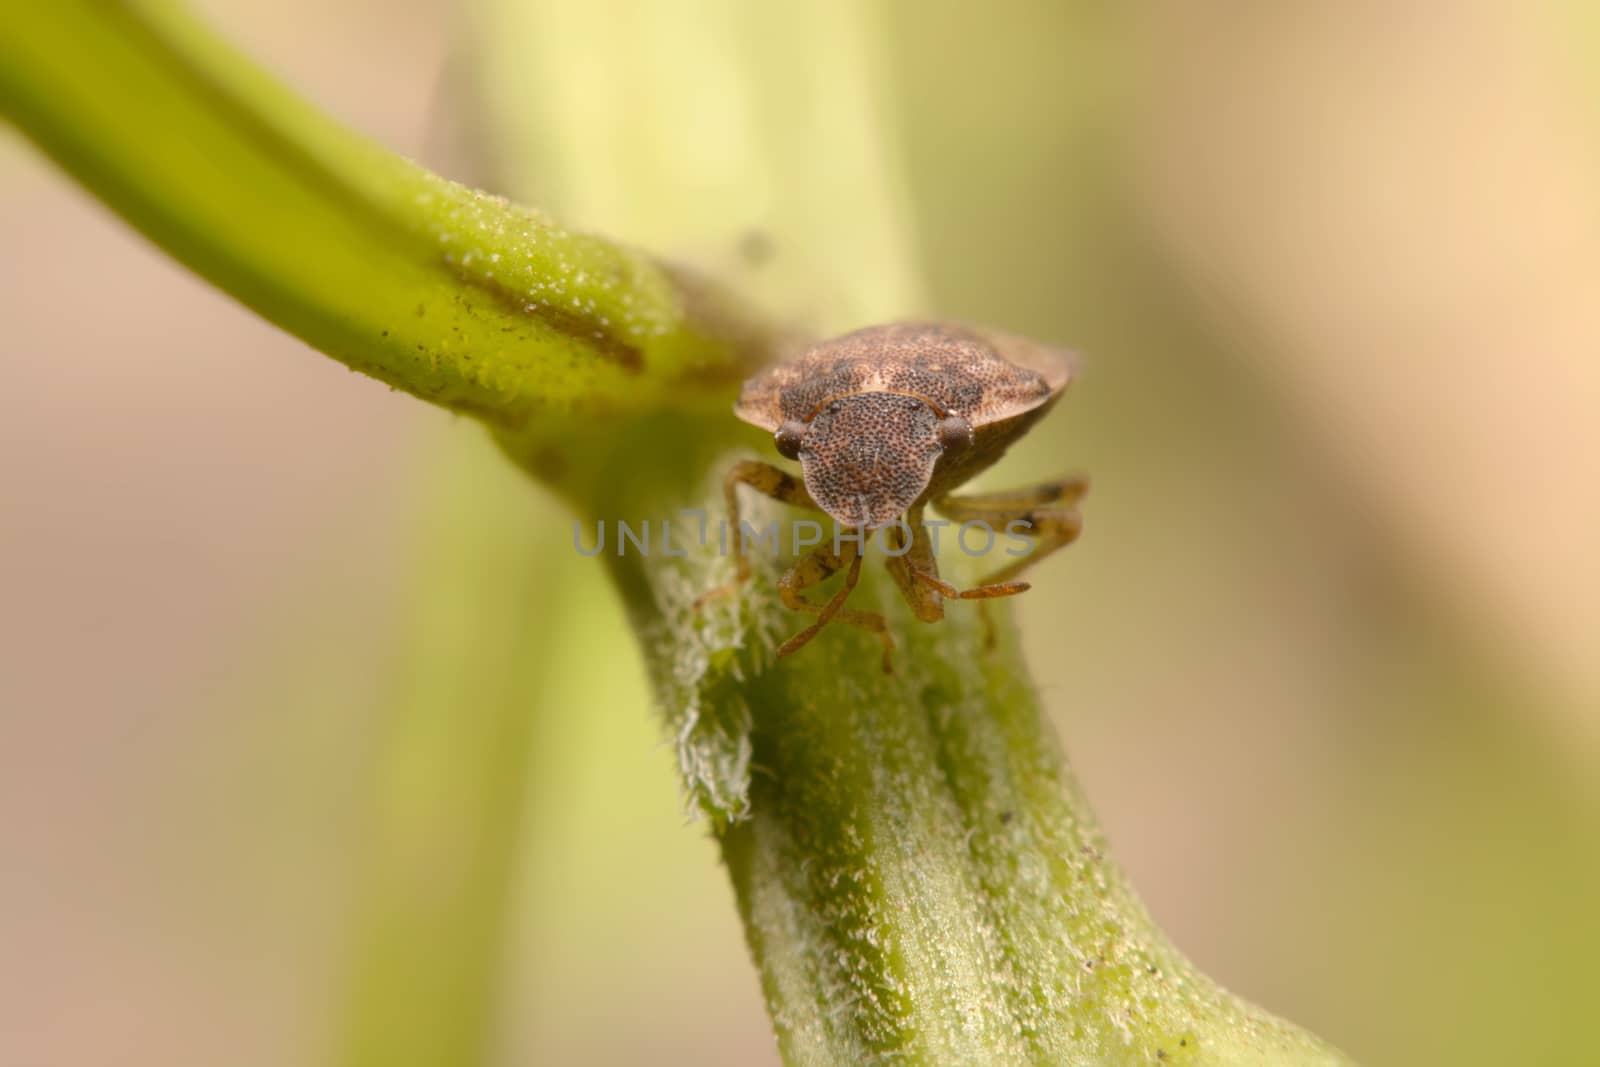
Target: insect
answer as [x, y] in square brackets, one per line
[886, 421]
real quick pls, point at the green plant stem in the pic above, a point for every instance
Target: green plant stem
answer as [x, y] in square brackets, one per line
[920, 878]
[923, 882]
[456, 296]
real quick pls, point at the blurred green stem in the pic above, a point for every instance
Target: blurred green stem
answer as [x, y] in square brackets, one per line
[437, 868]
[920, 880]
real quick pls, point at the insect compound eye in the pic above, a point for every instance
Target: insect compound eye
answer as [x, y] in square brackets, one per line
[788, 438]
[955, 434]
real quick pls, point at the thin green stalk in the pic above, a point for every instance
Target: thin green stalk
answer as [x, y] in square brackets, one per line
[432, 909]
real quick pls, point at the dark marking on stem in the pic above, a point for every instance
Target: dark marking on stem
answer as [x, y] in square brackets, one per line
[585, 331]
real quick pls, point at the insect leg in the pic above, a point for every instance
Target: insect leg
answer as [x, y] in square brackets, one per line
[818, 567]
[910, 566]
[767, 480]
[1049, 510]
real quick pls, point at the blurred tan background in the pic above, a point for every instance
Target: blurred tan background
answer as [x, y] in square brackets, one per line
[1327, 659]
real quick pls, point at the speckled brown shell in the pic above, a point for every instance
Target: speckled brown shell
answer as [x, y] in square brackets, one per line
[872, 401]
[980, 374]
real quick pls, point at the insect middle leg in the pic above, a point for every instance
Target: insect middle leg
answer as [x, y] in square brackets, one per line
[816, 568]
[1050, 512]
[769, 481]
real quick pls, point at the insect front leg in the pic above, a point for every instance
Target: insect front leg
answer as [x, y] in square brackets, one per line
[769, 481]
[819, 567]
[912, 564]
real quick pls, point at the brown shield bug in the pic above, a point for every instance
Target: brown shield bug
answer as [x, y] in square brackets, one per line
[886, 421]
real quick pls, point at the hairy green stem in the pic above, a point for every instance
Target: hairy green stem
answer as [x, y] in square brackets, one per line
[920, 878]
